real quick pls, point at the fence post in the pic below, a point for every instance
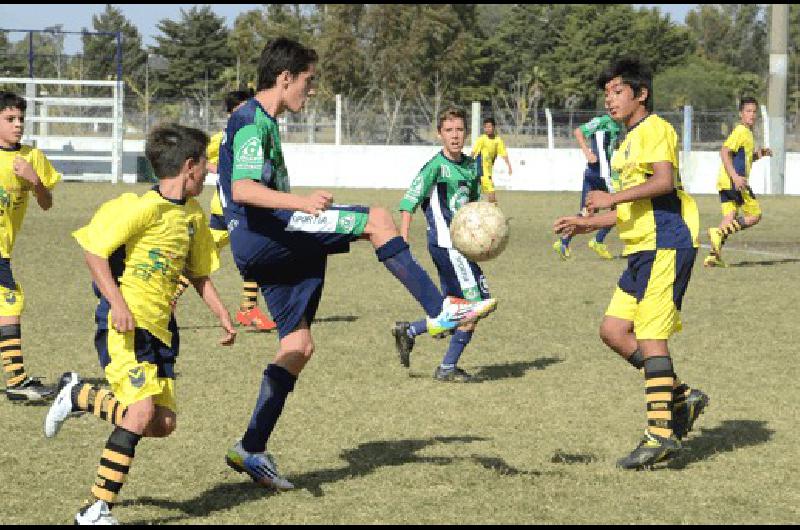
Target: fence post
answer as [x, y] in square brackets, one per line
[768, 172]
[338, 119]
[551, 144]
[476, 121]
[687, 130]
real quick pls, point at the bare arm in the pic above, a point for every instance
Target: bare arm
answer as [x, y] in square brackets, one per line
[24, 169]
[587, 152]
[405, 224]
[508, 163]
[577, 224]
[205, 288]
[660, 183]
[252, 193]
[121, 317]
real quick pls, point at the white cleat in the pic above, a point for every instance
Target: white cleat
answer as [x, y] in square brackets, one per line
[61, 409]
[97, 514]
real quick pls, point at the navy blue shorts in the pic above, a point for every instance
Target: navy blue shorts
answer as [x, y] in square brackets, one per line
[6, 275]
[639, 275]
[217, 222]
[290, 265]
[459, 276]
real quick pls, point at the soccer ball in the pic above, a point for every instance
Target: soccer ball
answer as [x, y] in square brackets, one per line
[479, 230]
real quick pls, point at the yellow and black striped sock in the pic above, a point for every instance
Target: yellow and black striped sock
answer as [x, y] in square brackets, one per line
[183, 284]
[11, 351]
[659, 378]
[736, 225]
[115, 463]
[99, 402]
[249, 295]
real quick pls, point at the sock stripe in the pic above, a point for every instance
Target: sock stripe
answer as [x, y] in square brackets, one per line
[112, 475]
[117, 455]
[101, 494]
[84, 395]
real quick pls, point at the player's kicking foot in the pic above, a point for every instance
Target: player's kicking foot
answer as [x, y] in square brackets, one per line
[685, 414]
[600, 249]
[97, 513]
[259, 466]
[715, 237]
[651, 450]
[452, 375]
[62, 408]
[712, 260]
[457, 311]
[403, 341]
[31, 389]
[260, 321]
[561, 249]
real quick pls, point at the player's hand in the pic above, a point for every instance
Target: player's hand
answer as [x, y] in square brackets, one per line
[764, 151]
[739, 182]
[230, 332]
[571, 225]
[23, 169]
[404, 235]
[591, 157]
[596, 200]
[510, 171]
[318, 202]
[122, 319]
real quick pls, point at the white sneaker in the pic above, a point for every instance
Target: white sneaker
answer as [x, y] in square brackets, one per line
[457, 311]
[61, 409]
[97, 514]
[260, 467]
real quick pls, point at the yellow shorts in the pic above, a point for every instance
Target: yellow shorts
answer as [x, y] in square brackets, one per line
[138, 366]
[732, 200]
[650, 292]
[12, 298]
[221, 238]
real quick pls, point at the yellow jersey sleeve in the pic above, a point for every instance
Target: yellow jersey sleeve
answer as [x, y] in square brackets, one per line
[203, 257]
[47, 173]
[212, 151]
[737, 139]
[659, 144]
[114, 223]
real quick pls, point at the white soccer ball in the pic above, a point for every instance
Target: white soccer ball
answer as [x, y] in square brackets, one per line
[479, 230]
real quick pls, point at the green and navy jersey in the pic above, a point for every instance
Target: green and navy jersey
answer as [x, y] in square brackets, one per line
[603, 135]
[250, 149]
[441, 187]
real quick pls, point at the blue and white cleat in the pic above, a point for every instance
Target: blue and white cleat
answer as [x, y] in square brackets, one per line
[457, 311]
[259, 466]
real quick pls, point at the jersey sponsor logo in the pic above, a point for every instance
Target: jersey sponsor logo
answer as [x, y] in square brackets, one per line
[347, 221]
[305, 222]
[251, 155]
[160, 262]
[136, 376]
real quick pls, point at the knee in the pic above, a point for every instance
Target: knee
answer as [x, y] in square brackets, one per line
[609, 334]
[381, 218]
[754, 220]
[308, 350]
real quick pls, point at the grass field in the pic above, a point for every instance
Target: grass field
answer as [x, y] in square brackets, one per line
[367, 441]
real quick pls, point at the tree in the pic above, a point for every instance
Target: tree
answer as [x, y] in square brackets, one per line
[99, 51]
[197, 50]
[733, 34]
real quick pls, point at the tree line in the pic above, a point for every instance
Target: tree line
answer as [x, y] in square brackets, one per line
[518, 57]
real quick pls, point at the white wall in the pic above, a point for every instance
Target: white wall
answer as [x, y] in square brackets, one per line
[393, 166]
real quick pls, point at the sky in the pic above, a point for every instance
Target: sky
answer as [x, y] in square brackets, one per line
[76, 17]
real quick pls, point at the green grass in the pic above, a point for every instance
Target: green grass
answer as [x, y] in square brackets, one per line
[367, 441]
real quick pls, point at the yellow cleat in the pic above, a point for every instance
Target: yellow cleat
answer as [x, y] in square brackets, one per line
[715, 236]
[561, 249]
[714, 261]
[600, 249]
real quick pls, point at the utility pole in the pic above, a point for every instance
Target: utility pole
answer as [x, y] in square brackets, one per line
[776, 96]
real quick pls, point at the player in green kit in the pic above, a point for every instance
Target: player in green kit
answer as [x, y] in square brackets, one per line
[446, 183]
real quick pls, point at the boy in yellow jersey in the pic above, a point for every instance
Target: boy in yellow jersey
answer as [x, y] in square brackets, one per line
[136, 247]
[249, 314]
[659, 224]
[23, 170]
[487, 149]
[738, 154]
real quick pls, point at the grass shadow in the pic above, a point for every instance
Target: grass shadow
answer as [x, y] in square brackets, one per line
[336, 318]
[363, 460]
[513, 370]
[765, 263]
[728, 437]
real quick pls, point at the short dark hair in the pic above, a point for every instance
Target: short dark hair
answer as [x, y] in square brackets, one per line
[489, 119]
[746, 100]
[280, 55]
[634, 74]
[449, 113]
[9, 100]
[170, 145]
[235, 97]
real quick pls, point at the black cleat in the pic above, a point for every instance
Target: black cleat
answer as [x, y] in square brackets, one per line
[453, 375]
[685, 414]
[651, 450]
[403, 341]
[31, 389]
